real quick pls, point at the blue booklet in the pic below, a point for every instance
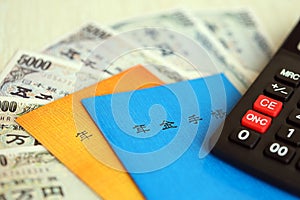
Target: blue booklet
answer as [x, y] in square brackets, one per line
[159, 135]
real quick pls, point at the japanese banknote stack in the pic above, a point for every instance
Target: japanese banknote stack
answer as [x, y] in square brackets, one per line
[233, 39]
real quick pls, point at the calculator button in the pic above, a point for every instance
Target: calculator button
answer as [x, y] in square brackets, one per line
[298, 165]
[294, 117]
[245, 137]
[256, 121]
[288, 76]
[267, 106]
[289, 134]
[280, 152]
[279, 91]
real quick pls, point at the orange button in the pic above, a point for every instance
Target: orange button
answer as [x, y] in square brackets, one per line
[256, 121]
[267, 105]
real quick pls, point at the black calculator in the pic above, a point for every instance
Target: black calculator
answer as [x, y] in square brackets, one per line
[261, 135]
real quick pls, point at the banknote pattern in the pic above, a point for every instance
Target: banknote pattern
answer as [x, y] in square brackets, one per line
[33, 173]
[34, 76]
[81, 47]
[233, 39]
[11, 133]
[29, 81]
[240, 33]
[181, 21]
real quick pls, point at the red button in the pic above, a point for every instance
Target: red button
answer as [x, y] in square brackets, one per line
[267, 105]
[256, 121]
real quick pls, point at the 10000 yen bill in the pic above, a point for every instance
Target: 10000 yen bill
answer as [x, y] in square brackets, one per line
[11, 133]
[84, 47]
[241, 34]
[182, 22]
[33, 173]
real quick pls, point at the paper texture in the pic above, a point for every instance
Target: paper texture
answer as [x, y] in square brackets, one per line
[157, 136]
[56, 126]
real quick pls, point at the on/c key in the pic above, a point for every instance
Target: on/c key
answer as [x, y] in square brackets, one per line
[256, 121]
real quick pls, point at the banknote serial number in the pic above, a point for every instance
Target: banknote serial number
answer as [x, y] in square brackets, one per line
[3, 160]
[31, 61]
[10, 106]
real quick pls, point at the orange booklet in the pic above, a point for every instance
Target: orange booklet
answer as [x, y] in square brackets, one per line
[66, 130]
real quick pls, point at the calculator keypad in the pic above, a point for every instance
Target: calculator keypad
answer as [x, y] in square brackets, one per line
[289, 134]
[256, 121]
[267, 141]
[245, 137]
[280, 151]
[298, 165]
[294, 118]
[279, 91]
[260, 120]
[267, 105]
[288, 76]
